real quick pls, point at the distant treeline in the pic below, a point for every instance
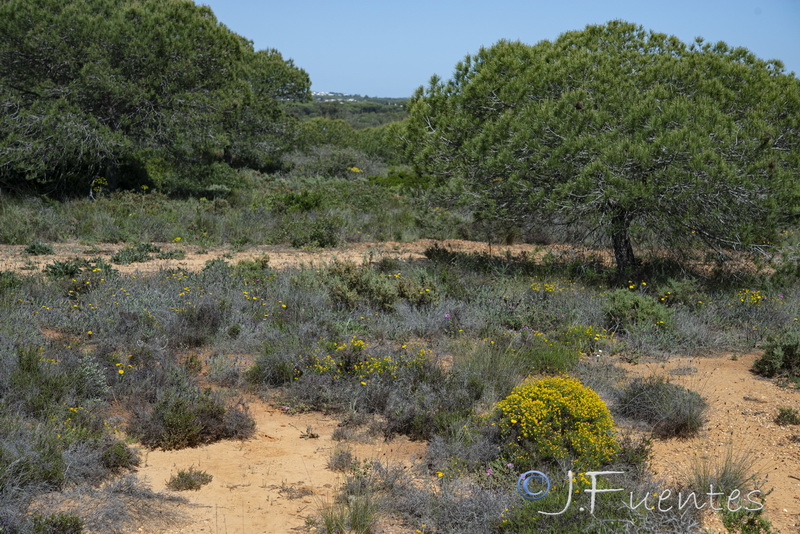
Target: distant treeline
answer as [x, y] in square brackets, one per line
[358, 114]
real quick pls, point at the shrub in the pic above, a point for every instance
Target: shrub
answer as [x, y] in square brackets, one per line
[186, 417]
[352, 285]
[60, 523]
[323, 232]
[781, 355]
[672, 409]
[198, 322]
[684, 292]
[137, 254]
[37, 248]
[746, 521]
[118, 456]
[177, 254]
[787, 416]
[64, 269]
[556, 418]
[271, 369]
[255, 269]
[8, 280]
[190, 479]
[341, 459]
[624, 308]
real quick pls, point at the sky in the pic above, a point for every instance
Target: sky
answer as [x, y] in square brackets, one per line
[389, 48]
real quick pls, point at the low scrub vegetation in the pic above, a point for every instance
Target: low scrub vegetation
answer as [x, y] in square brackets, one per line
[501, 365]
[189, 479]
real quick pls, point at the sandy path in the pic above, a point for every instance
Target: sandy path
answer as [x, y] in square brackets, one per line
[14, 258]
[741, 410]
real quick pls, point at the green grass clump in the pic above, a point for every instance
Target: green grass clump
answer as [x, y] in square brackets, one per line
[37, 248]
[787, 416]
[556, 418]
[189, 479]
[64, 269]
[136, 254]
[672, 410]
[171, 255]
[8, 280]
[118, 456]
[59, 523]
[781, 356]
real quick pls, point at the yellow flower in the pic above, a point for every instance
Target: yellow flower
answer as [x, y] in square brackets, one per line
[121, 371]
[439, 474]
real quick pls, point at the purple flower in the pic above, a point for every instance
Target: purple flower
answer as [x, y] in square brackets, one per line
[489, 471]
[447, 315]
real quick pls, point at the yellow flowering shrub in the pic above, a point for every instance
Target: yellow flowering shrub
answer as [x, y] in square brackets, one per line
[556, 418]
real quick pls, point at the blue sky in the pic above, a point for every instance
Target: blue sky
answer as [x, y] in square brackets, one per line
[382, 48]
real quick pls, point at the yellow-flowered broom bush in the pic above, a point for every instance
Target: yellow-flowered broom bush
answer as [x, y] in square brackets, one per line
[556, 418]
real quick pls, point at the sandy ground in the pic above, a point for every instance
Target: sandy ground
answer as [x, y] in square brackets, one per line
[270, 483]
[740, 414]
[273, 482]
[14, 258]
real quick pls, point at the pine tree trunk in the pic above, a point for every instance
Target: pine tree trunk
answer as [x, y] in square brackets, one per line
[621, 241]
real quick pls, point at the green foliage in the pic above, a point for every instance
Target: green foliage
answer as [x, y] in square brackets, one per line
[746, 522]
[271, 369]
[369, 113]
[37, 248]
[58, 523]
[322, 232]
[255, 269]
[135, 254]
[672, 410]
[684, 292]
[625, 308]
[556, 418]
[171, 255]
[607, 129]
[189, 479]
[781, 355]
[331, 161]
[352, 285]
[403, 179]
[64, 269]
[184, 416]
[109, 95]
[118, 456]
[42, 462]
[8, 280]
[787, 416]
